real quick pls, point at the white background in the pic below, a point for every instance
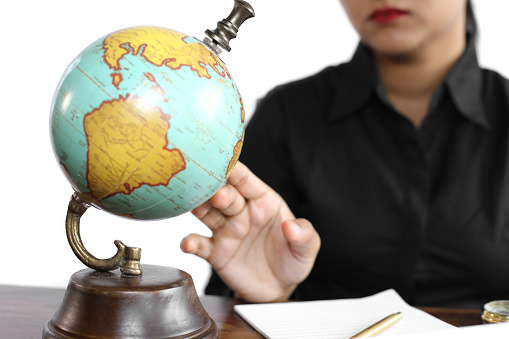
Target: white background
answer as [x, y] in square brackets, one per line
[288, 39]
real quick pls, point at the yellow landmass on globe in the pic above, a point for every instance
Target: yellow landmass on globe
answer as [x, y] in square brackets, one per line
[236, 155]
[242, 111]
[156, 87]
[127, 147]
[160, 46]
[117, 79]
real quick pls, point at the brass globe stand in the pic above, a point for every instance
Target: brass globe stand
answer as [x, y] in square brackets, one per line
[160, 303]
[127, 258]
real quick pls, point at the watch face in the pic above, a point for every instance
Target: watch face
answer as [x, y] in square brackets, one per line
[500, 307]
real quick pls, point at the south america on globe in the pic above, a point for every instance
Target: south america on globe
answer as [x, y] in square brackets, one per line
[147, 123]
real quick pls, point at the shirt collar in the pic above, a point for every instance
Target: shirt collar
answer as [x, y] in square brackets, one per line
[464, 83]
[357, 81]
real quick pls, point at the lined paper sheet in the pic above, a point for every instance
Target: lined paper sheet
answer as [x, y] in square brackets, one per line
[336, 319]
[468, 332]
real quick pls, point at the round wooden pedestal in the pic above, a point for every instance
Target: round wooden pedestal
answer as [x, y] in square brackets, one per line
[160, 303]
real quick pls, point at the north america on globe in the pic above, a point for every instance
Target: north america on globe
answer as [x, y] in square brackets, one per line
[175, 54]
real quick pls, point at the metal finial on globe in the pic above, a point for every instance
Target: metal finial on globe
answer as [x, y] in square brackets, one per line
[227, 28]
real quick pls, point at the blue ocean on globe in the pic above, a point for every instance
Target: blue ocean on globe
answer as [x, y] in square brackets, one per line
[147, 123]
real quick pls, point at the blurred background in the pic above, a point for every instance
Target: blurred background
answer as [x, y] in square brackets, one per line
[287, 40]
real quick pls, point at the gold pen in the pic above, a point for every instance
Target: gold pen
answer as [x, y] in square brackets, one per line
[379, 326]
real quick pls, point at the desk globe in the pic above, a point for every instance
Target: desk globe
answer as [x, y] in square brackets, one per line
[146, 123]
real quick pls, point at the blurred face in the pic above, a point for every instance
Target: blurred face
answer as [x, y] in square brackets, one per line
[397, 27]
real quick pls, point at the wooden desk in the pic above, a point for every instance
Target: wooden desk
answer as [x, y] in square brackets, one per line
[25, 310]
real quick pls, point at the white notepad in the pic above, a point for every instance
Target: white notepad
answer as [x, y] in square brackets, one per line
[485, 331]
[337, 319]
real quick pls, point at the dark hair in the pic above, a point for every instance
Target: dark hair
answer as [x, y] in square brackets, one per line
[471, 20]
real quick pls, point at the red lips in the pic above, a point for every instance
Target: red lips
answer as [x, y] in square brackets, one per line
[387, 15]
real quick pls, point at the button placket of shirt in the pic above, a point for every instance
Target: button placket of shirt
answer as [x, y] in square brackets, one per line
[423, 138]
[417, 183]
[415, 154]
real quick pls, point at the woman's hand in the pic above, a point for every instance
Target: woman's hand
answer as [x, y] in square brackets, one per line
[258, 248]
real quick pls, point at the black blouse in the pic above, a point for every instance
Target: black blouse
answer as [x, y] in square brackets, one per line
[422, 210]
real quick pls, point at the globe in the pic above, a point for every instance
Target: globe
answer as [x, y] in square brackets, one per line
[147, 123]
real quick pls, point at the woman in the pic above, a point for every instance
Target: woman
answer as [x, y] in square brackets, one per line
[396, 164]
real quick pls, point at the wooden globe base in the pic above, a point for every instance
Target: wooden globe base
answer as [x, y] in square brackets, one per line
[160, 303]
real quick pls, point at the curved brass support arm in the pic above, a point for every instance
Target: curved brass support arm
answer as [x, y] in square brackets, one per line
[127, 258]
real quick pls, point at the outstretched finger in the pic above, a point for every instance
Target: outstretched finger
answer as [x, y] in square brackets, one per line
[248, 184]
[228, 200]
[198, 245]
[303, 238]
[210, 216]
